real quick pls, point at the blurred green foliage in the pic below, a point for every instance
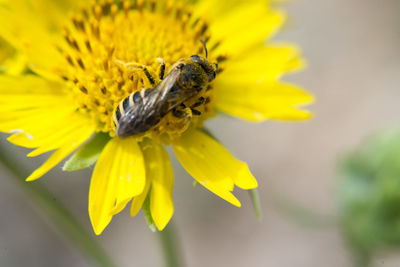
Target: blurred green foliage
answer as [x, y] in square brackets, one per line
[369, 191]
[55, 211]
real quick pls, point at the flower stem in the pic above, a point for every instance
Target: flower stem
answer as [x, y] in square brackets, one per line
[255, 200]
[170, 246]
[55, 211]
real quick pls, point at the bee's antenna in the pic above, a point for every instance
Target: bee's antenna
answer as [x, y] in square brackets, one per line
[205, 47]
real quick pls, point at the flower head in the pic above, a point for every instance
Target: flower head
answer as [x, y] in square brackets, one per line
[84, 63]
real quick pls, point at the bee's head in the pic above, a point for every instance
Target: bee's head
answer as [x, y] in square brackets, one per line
[209, 68]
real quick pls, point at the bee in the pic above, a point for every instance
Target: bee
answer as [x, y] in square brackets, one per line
[144, 109]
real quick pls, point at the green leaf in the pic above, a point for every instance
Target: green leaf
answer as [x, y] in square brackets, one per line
[147, 213]
[88, 154]
[255, 200]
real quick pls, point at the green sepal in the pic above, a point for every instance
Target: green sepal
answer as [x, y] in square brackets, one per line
[88, 154]
[255, 200]
[147, 213]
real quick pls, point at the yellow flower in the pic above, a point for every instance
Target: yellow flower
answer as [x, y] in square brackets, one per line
[77, 53]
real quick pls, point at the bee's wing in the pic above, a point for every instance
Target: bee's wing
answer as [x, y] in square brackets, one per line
[156, 97]
[168, 83]
[159, 95]
[171, 92]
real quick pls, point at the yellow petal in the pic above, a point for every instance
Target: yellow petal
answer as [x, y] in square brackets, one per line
[27, 120]
[159, 172]
[39, 115]
[53, 13]
[240, 25]
[264, 64]
[138, 201]
[118, 176]
[6, 51]
[66, 147]
[21, 95]
[28, 84]
[57, 137]
[27, 25]
[257, 102]
[37, 112]
[131, 171]
[11, 62]
[212, 165]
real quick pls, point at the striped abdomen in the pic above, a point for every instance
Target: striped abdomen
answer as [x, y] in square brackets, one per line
[138, 112]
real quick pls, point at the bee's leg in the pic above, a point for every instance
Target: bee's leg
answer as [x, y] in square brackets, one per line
[195, 112]
[178, 113]
[182, 112]
[161, 70]
[134, 66]
[149, 77]
[200, 101]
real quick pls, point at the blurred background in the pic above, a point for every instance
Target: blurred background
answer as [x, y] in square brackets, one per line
[354, 67]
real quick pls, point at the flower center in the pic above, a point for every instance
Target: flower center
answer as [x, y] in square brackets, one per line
[103, 39]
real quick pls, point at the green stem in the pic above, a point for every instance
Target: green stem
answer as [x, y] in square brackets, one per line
[255, 200]
[170, 246]
[56, 212]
